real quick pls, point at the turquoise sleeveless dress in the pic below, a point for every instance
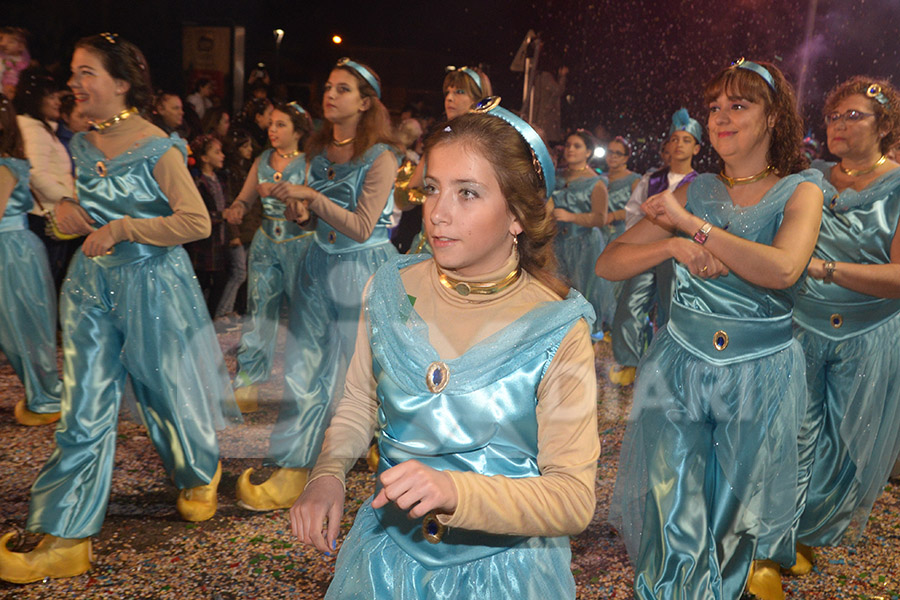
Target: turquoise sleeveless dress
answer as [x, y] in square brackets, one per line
[578, 248]
[324, 312]
[619, 193]
[483, 421]
[851, 433]
[138, 313]
[276, 254]
[27, 298]
[708, 469]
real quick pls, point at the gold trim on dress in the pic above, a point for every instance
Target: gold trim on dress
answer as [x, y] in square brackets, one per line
[101, 168]
[437, 376]
[720, 340]
[464, 288]
[432, 529]
[836, 320]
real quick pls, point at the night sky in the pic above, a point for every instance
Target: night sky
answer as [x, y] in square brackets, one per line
[631, 63]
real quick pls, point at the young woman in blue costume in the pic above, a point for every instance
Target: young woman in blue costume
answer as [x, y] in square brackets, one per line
[848, 322]
[707, 473]
[463, 88]
[277, 250]
[579, 205]
[130, 306]
[27, 293]
[348, 203]
[622, 182]
[479, 377]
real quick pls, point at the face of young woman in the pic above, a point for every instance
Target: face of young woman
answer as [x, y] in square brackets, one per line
[262, 119]
[577, 153]
[222, 127]
[616, 155]
[342, 102]
[848, 138]
[457, 101]
[246, 150]
[98, 94]
[281, 132]
[214, 157]
[50, 107]
[467, 220]
[739, 129]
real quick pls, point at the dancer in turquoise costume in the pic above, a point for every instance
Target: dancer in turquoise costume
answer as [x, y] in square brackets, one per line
[631, 330]
[479, 377]
[278, 247]
[130, 306]
[579, 205]
[622, 183]
[348, 203]
[27, 294]
[707, 472]
[848, 321]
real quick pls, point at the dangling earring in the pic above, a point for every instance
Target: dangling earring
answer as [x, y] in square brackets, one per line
[516, 247]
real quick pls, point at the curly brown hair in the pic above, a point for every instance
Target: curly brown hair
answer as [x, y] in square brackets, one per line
[786, 146]
[522, 187]
[887, 116]
[123, 60]
[373, 127]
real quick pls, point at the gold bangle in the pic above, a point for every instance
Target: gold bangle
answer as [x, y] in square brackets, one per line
[829, 272]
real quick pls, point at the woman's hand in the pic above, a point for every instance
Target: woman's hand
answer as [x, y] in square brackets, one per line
[293, 191]
[665, 210]
[99, 242]
[319, 507]
[234, 214]
[72, 219]
[296, 211]
[698, 260]
[562, 215]
[417, 489]
[264, 189]
[816, 268]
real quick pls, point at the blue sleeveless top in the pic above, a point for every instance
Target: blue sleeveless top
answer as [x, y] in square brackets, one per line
[857, 227]
[274, 226]
[730, 319]
[342, 184]
[20, 200]
[481, 415]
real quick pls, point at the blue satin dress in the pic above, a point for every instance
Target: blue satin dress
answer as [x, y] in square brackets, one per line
[325, 312]
[708, 470]
[27, 299]
[483, 421]
[578, 248]
[619, 193]
[138, 313]
[851, 434]
[276, 254]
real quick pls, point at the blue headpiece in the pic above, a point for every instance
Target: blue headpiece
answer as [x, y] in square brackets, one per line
[362, 72]
[743, 63]
[297, 107]
[682, 121]
[874, 92]
[473, 75]
[543, 164]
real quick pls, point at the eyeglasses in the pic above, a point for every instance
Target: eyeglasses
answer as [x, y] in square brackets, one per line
[852, 116]
[615, 153]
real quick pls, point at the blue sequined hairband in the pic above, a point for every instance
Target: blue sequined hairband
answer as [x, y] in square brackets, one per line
[471, 73]
[362, 72]
[297, 107]
[743, 63]
[543, 164]
[874, 91]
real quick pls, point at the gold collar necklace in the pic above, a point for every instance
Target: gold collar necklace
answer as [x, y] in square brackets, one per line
[464, 288]
[340, 143]
[858, 172]
[122, 116]
[289, 154]
[733, 181]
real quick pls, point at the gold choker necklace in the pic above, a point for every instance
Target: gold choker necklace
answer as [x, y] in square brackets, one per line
[340, 143]
[733, 181]
[464, 288]
[289, 154]
[858, 172]
[125, 114]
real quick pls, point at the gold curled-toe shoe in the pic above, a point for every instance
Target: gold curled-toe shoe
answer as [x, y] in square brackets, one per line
[33, 419]
[764, 580]
[804, 562]
[200, 503]
[282, 488]
[623, 376]
[53, 557]
[247, 398]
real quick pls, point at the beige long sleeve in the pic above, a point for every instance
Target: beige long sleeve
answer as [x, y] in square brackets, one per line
[560, 501]
[359, 223]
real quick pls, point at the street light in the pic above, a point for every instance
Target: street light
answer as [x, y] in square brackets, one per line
[279, 35]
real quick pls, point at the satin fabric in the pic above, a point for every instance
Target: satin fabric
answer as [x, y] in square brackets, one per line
[324, 313]
[578, 248]
[483, 421]
[27, 299]
[632, 330]
[709, 465]
[145, 319]
[276, 253]
[619, 193]
[851, 433]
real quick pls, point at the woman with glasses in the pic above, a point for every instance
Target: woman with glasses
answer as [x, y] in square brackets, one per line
[848, 321]
[579, 205]
[622, 182]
